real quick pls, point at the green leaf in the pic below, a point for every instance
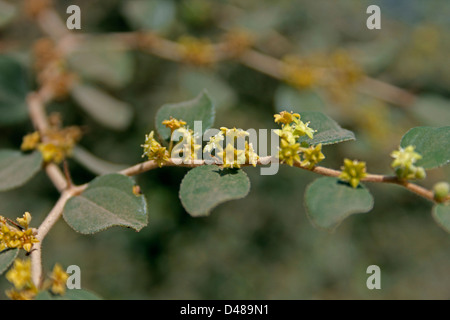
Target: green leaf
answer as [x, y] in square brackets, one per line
[103, 60]
[432, 110]
[441, 214]
[195, 80]
[7, 257]
[108, 201]
[7, 13]
[328, 131]
[433, 144]
[13, 91]
[205, 187]
[72, 294]
[17, 168]
[291, 99]
[155, 15]
[329, 201]
[94, 164]
[199, 109]
[102, 107]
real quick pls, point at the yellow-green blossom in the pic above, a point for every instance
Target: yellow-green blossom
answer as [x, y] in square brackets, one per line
[187, 145]
[20, 274]
[250, 155]
[17, 236]
[174, 124]
[353, 171]
[154, 151]
[312, 156]
[289, 153]
[286, 117]
[58, 280]
[404, 163]
[215, 142]
[233, 134]
[231, 157]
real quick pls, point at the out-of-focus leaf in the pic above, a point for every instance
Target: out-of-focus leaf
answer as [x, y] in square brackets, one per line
[94, 164]
[329, 201]
[106, 61]
[288, 98]
[199, 109]
[17, 168]
[102, 107]
[13, 91]
[7, 257]
[155, 15]
[441, 214]
[194, 81]
[109, 200]
[205, 187]
[433, 144]
[328, 131]
[73, 294]
[432, 110]
[7, 13]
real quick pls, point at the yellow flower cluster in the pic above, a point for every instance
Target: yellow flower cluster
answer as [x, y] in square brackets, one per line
[404, 163]
[154, 151]
[199, 52]
[17, 235]
[20, 277]
[187, 146]
[292, 128]
[353, 171]
[55, 146]
[24, 289]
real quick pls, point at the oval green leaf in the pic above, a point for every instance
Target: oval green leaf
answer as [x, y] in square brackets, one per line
[441, 214]
[433, 144]
[205, 187]
[199, 109]
[73, 294]
[329, 201]
[328, 131]
[106, 61]
[7, 257]
[108, 201]
[17, 168]
[13, 91]
[432, 110]
[105, 109]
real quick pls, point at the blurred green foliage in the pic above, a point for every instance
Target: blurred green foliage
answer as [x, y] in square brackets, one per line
[263, 246]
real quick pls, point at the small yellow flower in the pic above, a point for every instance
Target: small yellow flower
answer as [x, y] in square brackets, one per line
[187, 145]
[405, 157]
[174, 124]
[353, 172]
[30, 141]
[289, 153]
[251, 157]
[287, 133]
[20, 274]
[286, 117]
[404, 160]
[231, 157]
[215, 142]
[25, 221]
[58, 280]
[51, 153]
[312, 156]
[301, 129]
[233, 134]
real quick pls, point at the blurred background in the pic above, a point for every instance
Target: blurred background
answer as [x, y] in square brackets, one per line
[263, 246]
